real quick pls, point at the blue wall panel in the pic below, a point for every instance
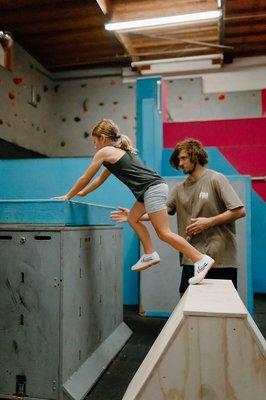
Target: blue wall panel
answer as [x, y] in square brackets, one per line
[149, 122]
[45, 178]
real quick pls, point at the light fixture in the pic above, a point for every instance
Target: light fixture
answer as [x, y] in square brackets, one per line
[5, 40]
[172, 20]
[5, 35]
[180, 64]
[177, 59]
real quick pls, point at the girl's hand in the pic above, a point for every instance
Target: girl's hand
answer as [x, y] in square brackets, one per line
[65, 198]
[120, 215]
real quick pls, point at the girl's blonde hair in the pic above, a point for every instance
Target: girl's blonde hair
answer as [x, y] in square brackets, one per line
[107, 128]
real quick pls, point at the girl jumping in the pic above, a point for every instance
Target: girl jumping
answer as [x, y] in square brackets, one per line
[116, 153]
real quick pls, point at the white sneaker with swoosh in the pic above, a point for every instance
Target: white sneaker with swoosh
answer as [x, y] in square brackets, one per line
[146, 261]
[201, 268]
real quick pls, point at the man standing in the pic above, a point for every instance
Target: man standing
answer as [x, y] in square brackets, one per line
[206, 206]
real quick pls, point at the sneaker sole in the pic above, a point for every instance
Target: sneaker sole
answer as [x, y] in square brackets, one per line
[209, 267]
[146, 265]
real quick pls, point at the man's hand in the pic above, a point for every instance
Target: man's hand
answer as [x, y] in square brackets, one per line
[198, 225]
[65, 198]
[119, 215]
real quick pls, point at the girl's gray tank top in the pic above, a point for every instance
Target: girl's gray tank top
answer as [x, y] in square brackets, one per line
[130, 170]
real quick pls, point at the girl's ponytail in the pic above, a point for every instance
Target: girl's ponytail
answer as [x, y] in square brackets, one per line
[125, 144]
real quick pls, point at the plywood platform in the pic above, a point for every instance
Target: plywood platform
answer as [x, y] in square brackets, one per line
[210, 349]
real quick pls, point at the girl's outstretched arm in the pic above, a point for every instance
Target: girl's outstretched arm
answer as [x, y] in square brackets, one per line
[121, 215]
[95, 183]
[86, 177]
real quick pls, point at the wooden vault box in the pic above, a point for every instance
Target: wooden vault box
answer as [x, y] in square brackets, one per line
[209, 349]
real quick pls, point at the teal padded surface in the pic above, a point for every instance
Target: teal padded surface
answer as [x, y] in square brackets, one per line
[60, 212]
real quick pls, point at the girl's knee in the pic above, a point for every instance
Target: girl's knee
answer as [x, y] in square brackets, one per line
[164, 235]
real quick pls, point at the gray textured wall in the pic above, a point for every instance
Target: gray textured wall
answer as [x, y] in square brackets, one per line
[68, 106]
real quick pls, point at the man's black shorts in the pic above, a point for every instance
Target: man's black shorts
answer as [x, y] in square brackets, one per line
[214, 273]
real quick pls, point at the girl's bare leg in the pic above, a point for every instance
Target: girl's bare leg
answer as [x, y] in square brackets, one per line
[136, 212]
[160, 223]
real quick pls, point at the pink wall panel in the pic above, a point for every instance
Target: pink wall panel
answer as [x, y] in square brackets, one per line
[249, 131]
[263, 102]
[242, 142]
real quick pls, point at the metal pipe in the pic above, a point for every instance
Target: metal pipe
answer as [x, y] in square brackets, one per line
[258, 178]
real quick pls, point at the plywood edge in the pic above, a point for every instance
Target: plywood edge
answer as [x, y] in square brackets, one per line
[214, 297]
[158, 349]
[78, 385]
[257, 335]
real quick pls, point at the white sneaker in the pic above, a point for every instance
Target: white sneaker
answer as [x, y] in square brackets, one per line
[146, 261]
[201, 268]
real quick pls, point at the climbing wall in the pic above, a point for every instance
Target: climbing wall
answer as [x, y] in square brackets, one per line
[52, 114]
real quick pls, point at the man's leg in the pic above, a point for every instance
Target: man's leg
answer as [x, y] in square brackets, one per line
[187, 273]
[223, 273]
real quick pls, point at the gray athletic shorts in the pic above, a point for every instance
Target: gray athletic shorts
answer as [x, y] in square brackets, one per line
[155, 198]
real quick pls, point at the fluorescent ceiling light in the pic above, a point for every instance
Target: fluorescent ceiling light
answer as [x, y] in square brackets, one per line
[201, 65]
[175, 19]
[177, 59]
[178, 65]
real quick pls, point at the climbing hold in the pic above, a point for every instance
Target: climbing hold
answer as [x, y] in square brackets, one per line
[86, 104]
[17, 80]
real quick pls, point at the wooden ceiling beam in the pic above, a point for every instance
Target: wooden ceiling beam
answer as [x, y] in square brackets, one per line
[247, 6]
[123, 39]
[249, 28]
[139, 9]
[126, 43]
[105, 6]
[65, 36]
[242, 52]
[160, 41]
[256, 39]
[6, 5]
[75, 40]
[240, 18]
[172, 49]
[180, 52]
[54, 26]
[78, 59]
[177, 29]
[60, 11]
[81, 49]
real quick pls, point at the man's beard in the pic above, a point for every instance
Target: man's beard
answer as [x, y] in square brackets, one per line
[191, 170]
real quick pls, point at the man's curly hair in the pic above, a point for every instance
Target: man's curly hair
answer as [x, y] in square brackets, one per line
[194, 149]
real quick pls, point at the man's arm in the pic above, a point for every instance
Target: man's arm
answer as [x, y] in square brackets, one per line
[202, 223]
